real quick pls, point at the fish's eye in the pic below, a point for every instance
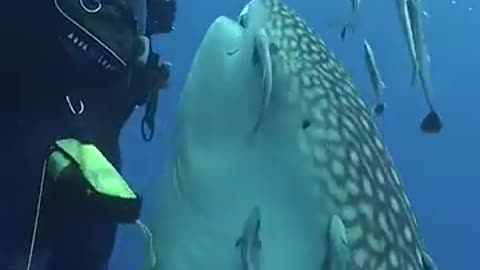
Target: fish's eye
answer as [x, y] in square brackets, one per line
[91, 6]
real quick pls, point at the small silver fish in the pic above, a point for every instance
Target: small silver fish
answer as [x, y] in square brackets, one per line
[431, 123]
[355, 12]
[407, 31]
[377, 83]
[249, 242]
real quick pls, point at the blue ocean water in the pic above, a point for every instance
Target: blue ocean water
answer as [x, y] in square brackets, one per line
[439, 171]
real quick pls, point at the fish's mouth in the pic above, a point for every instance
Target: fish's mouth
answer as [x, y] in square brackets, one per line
[241, 21]
[234, 51]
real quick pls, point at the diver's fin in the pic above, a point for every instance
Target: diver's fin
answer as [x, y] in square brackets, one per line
[428, 263]
[338, 254]
[431, 123]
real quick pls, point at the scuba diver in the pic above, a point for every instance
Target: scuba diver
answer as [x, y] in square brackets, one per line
[72, 73]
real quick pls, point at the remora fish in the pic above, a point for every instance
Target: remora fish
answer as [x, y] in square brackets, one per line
[377, 83]
[431, 123]
[249, 243]
[406, 25]
[354, 14]
[330, 194]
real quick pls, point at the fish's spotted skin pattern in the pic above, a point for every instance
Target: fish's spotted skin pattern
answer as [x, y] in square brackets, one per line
[352, 163]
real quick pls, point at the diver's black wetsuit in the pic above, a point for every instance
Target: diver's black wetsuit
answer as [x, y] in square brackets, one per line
[36, 74]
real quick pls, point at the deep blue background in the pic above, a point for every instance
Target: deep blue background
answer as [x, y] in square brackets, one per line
[440, 172]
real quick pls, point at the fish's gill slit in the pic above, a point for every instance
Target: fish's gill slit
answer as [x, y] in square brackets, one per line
[262, 51]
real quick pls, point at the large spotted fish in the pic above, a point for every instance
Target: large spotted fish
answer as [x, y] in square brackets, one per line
[330, 195]
[353, 164]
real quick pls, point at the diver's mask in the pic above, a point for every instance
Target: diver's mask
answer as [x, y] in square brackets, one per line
[99, 35]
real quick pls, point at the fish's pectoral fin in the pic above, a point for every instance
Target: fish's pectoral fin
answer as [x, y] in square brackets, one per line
[239, 241]
[338, 251]
[383, 85]
[431, 123]
[428, 263]
[258, 244]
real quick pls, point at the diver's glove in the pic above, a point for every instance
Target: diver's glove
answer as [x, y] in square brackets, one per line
[160, 16]
[149, 74]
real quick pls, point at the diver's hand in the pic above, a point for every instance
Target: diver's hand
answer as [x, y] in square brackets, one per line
[164, 68]
[150, 73]
[157, 72]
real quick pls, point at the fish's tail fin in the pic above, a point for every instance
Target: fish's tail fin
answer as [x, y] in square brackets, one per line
[336, 23]
[343, 32]
[431, 123]
[378, 109]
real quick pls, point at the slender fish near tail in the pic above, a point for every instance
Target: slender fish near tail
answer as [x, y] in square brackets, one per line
[249, 242]
[432, 122]
[377, 83]
[355, 6]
